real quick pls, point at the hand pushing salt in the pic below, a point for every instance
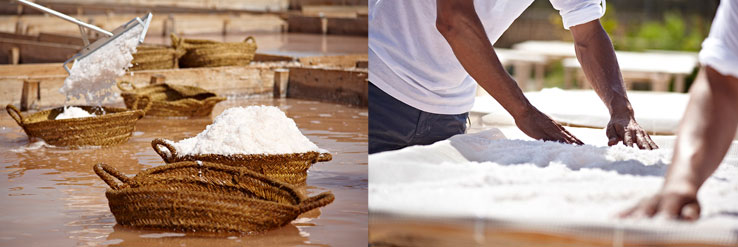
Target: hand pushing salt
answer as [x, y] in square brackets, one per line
[248, 130]
[73, 112]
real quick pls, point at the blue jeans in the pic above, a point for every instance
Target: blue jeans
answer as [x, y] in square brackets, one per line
[394, 125]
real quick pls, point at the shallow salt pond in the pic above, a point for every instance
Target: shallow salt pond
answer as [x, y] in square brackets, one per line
[51, 196]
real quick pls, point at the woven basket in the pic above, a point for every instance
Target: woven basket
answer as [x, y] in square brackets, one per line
[290, 168]
[171, 100]
[207, 53]
[203, 196]
[156, 57]
[111, 126]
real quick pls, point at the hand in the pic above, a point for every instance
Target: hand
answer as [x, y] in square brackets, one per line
[676, 205]
[626, 129]
[541, 127]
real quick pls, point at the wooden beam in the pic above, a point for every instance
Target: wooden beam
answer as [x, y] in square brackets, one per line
[281, 78]
[36, 52]
[342, 61]
[232, 80]
[30, 94]
[333, 85]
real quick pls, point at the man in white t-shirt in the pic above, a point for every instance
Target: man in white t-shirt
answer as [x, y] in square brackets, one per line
[427, 56]
[708, 126]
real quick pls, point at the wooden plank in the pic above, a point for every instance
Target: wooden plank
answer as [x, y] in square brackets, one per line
[235, 80]
[342, 61]
[30, 93]
[36, 52]
[333, 85]
[6, 35]
[63, 39]
[261, 57]
[349, 26]
[182, 23]
[344, 11]
[304, 24]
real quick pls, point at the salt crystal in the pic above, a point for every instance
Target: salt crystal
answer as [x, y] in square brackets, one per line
[248, 130]
[94, 76]
[73, 112]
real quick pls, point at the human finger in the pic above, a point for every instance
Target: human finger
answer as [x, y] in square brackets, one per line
[628, 138]
[641, 140]
[612, 136]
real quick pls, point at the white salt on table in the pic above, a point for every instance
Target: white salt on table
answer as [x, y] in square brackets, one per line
[486, 175]
[94, 76]
[248, 130]
[73, 112]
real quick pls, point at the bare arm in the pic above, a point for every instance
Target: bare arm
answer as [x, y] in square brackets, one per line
[706, 132]
[459, 24]
[597, 57]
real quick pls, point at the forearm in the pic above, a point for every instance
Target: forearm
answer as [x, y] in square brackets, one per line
[459, 24]
[706, 131]
[599, 63]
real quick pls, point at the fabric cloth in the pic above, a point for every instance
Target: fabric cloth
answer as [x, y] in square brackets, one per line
[395, 125]
[720, 49]
[411, 61]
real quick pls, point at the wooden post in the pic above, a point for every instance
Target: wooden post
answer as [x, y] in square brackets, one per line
[31, 92]
[281, 77]
[156, 79]
[539, 74]
[20, 28]
[323, 24]
[14, 55]
[226, 25]
[679, 83]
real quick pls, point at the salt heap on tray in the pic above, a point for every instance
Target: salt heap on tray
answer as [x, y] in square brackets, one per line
[73, 112]
[248, 130]
[94, 76]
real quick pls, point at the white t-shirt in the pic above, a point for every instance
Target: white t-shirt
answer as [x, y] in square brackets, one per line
[411, 61]
[720, 49]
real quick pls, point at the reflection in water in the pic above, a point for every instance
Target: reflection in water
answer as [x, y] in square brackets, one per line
[53, 198]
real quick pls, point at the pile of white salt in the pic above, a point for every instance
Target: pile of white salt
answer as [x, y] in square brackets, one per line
[93, 76]
[248, 130]
[486, 175]
[73, 112]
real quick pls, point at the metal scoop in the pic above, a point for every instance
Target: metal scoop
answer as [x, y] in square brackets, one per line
[108, 36]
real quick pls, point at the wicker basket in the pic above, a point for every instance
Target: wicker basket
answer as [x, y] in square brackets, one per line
[111, 126]
[156, 57]
[203, 196]
[290, 168]
[207, 53]
[171, 100]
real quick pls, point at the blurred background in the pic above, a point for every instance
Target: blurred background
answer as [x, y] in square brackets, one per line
[653, 27]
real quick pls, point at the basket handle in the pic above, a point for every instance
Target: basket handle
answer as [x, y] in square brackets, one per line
[146, 106]
[314, 202]
[161, 142]
[249, 38]
[120, 85]
[214, 100]
[15, 114]
[109, 174]
[324, 157]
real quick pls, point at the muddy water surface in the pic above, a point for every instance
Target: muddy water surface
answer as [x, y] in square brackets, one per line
[51, 197]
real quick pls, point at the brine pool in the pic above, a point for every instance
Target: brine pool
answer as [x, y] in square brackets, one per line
[51, 197]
